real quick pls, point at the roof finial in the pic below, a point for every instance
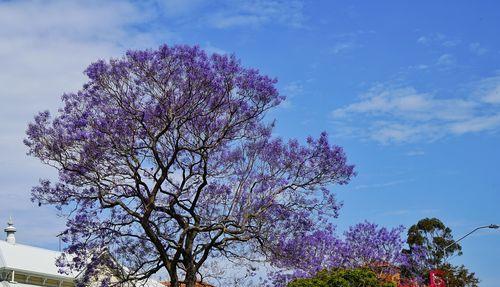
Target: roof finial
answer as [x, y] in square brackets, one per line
[10, 230]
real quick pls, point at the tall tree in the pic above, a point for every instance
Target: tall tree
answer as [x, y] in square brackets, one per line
[165, 161]
[434, 236]
[434, 240]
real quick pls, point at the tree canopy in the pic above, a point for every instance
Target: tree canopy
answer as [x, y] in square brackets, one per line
[431, 238]
[165, 160]
[435, 237]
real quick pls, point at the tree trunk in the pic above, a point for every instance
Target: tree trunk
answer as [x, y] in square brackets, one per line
[190, 279]
[189, 263]
[174, 279]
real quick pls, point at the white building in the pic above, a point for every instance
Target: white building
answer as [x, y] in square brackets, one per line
[28, 266]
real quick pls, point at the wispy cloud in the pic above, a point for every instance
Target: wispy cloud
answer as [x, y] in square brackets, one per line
[493, 96]
[416, 152]
[213, 49]
[409, 103]
[423, 40]
[389, 114]
[346, 42]
[294, 88]
[291, 90]
[477, 49]
[445, 60]
[438, 39]
[488, 90]
[342, 47]
[257, 13]
[227, 14]
[381, 185]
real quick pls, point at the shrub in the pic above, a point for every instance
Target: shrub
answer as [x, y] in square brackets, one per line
[359, 277]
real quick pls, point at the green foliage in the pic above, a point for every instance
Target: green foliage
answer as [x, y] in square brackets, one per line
[459, 276]
[434, 236]
[359, 277]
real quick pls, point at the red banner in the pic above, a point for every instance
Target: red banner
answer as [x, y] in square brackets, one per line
[437, 279]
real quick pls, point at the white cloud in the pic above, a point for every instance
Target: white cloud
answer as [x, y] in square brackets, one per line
[402, 114]
[446, 60]
[476, 124]
[342, 47]
[293, 89]
[422, 40]
[44, 48]
[488, 90]
[257, 13]
[345, 42]
[438, 39]
[381, 185]
[290, 91]
[416, 152]
[421, 67]
[387, 132]
[213, 49]
[477, 49]
[450, 43]
[493, 96]
[408, 103]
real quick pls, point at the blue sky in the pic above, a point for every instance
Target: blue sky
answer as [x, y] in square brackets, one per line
[410, 90]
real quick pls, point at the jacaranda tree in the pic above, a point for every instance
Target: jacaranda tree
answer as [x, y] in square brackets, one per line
[165, 161]
[364, 245]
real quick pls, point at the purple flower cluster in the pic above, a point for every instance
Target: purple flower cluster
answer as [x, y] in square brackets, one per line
[363, 245]
[165, 161]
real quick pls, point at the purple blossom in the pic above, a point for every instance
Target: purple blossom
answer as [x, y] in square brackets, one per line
[302, 255]
[165, 160]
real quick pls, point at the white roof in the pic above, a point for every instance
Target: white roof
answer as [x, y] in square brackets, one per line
[10, 284]
[31, 260]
